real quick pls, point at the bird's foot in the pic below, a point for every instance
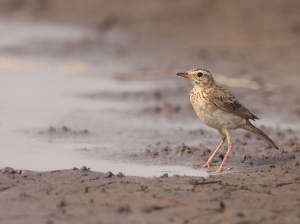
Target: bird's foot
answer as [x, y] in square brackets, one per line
[208, 164]
[219, 170]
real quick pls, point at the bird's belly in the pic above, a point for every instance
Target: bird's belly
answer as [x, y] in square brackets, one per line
[214, 117]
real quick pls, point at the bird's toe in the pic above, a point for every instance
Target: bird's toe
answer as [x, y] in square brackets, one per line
[219, 171]
[208, 165]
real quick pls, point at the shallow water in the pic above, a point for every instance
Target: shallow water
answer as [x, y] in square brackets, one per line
[35, 99]
[39, 92]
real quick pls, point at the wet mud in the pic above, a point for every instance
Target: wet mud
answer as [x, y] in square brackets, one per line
[257, 193]
[124, 110]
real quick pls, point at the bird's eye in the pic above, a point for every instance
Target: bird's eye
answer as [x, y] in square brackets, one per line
[200, 74]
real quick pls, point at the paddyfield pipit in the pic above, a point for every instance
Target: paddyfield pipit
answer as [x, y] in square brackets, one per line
[219, 109]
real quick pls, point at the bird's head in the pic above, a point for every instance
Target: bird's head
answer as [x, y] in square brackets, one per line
[199, 77]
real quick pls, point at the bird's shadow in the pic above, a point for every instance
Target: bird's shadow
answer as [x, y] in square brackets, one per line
[272, 160]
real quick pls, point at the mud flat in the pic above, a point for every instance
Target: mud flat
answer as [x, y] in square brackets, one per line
[261, 186]
[261, 193]
[106, 96]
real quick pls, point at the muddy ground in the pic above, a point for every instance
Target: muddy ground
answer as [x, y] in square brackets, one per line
[149, 120]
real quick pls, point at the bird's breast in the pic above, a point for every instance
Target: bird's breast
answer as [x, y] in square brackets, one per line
[212, 115]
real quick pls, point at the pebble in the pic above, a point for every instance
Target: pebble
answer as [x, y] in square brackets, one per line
[120, 174]
[24, 173]
[165, 175]
[147, 152]
[64, 128]
[142, 188]
[197, 181]
[8, 170]
[51, 129]
[109, 174]
[83, 168]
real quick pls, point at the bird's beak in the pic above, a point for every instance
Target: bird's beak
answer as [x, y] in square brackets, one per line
[185, 75]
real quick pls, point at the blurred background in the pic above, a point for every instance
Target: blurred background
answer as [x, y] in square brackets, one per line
[109, 69]
[235, 37]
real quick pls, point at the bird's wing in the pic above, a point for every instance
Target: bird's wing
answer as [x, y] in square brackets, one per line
[223, 99]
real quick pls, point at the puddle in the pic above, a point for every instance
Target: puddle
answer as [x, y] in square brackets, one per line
[37, 95]
[31, 154]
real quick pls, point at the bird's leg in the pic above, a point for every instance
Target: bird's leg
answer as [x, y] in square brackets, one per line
[228, 151]
[208, 163]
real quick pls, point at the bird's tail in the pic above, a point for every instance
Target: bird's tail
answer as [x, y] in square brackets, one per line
[260, 134]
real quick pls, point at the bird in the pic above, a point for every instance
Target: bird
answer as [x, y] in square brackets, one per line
[219, 109]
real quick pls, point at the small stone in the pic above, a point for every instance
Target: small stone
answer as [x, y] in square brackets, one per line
[83, 168]
[74, 168]
[8, 170]
[24, 173]
[166, 149]
[165, 175]
[154, 153]
[109, 174]
[147, 152]
[188, 151]
[120, 174]
[142, 188]
[64, 128]
[51, 129]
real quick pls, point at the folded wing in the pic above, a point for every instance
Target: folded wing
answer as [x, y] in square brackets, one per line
[227, 102]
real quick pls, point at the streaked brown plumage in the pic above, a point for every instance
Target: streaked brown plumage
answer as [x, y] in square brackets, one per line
[226, 101]
[219, 109]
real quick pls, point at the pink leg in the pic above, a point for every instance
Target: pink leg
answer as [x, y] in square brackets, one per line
[222, 164]
[208, 163]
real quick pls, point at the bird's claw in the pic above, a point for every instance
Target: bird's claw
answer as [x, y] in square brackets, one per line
[208, 165]
[219, 170]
